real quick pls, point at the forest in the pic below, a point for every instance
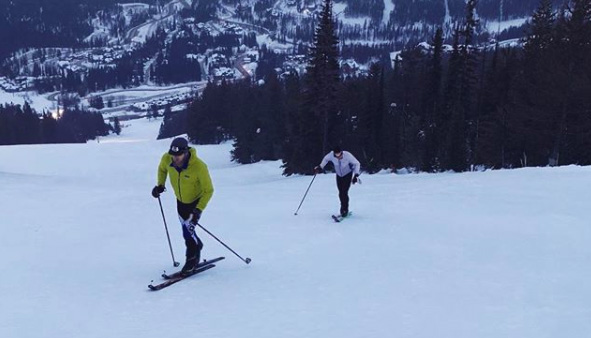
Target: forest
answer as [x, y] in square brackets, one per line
[432, 111]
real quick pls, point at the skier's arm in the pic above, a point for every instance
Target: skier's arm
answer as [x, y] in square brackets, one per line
[206, 185]
[356, 165]
[162, 170]
[325, 160]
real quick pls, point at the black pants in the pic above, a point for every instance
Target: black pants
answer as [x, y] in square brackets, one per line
[344, 183]
[192, 242]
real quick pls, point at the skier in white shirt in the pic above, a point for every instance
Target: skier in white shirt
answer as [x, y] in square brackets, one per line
[347, 168]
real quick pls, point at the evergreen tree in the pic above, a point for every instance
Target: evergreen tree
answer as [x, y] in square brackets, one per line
[271, 128]
[30, 125]
[453, 143]
[173, 124]
[293, 100]
[248, 130]
[571, 120]
[469, 81]
[495, 145]
[208, 116]
[541, 31]
[534, 100]
[431, 117]
[318, 122]
[372, 116]
[392, 140]
[49, 128]
[116, 125]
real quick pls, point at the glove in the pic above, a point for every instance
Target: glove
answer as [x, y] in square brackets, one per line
[355, 178]
[317, 169]
[196, 215]
[157, 190]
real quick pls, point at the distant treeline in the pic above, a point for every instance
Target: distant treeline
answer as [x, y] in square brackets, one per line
[22, 125]
[433, 111]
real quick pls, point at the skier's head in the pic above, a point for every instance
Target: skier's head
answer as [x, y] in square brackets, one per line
[337, 151]
[178, 146]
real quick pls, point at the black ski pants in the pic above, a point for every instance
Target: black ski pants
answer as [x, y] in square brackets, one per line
[343, 184]
[192, 242]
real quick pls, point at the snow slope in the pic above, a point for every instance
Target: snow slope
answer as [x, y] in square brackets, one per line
[490, 254]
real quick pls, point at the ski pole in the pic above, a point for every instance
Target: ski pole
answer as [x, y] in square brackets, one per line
[247, 260]
[296, 213]
[174, 262]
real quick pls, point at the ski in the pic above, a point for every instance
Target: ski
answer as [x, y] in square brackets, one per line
[171, 281]
[339, 218]
[204, 263]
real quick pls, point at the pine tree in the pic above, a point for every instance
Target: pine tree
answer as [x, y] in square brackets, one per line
[323, 77]
[116, 125]
[248, 130]
[541, 31]
[30, 124]
[571, 122]
[409, 106]
[392, 140]
[373, 113]
[431, 117]
[292, 114]
[270, 131]
[452, 143]
[318, 121]
[49, 128]
[173, 124]
[535, 97]
[469, 81]
[495, 141]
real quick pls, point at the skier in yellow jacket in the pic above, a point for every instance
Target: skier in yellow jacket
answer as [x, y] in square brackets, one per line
[193, 189]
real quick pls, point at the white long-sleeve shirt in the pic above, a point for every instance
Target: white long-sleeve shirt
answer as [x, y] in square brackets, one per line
[344, 165]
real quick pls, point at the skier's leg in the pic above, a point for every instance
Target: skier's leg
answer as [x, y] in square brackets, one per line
[192, 242]
[343, 184]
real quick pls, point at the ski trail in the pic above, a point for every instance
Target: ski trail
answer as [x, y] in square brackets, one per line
[447, 18]
[388, 9]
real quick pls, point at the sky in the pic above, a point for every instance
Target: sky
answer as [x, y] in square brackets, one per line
[483, 254]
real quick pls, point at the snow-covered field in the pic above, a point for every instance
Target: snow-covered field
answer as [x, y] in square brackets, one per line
[122, 99]
[499, 26]
[36, 101]
[488, 254]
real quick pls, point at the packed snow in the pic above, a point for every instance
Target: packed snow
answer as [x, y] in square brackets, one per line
[485, 254]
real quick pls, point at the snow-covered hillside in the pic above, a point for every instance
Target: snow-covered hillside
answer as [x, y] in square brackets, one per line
[489, 254]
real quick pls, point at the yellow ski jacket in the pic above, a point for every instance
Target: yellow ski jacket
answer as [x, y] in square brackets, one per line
[189, 183]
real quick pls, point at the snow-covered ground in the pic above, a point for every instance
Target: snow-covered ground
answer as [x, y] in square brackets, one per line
[36, 101]
[499, 26]
[488, 254]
